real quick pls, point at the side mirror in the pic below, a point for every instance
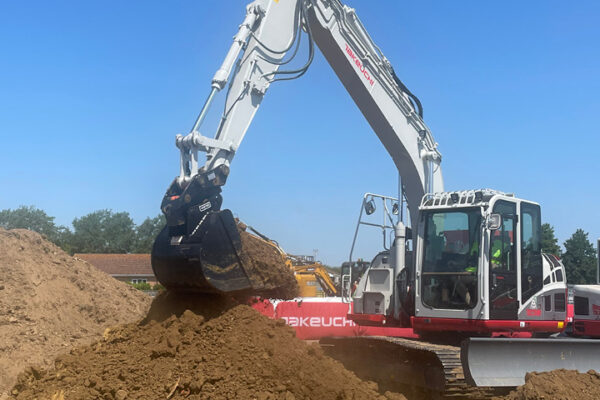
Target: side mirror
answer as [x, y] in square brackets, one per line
[370, 207]
[494, 222]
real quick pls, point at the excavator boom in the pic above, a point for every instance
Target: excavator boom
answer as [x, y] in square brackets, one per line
[200, 247]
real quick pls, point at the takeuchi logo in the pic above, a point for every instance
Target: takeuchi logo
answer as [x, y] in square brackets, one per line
[318, 322]
[360, 65]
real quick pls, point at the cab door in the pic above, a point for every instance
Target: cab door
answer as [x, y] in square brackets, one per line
[504, 303]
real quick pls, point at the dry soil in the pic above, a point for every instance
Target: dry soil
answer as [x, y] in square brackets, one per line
[215, 349]
[266, 268]
[50, 302]
[558, 385]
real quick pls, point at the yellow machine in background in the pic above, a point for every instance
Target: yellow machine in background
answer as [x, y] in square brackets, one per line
[312, 277]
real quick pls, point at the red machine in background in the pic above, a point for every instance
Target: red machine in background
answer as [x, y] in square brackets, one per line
[586, 310]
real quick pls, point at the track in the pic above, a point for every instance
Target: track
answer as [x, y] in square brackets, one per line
[399, 364]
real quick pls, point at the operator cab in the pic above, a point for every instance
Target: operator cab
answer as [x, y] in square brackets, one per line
[479, 265]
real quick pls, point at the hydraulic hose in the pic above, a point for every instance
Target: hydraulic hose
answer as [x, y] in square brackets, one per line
[415, 100]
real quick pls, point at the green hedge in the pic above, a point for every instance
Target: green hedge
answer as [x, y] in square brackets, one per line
[146, 286]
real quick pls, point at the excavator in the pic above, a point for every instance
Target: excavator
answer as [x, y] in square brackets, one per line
[312, 277]
[459, 265]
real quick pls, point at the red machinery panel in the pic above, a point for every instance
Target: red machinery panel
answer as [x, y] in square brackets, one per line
[315, 318]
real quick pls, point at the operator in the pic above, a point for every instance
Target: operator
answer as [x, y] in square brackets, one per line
[473, 259]
[496, 254]
[496, 258]
[464, 286]
[500, 249]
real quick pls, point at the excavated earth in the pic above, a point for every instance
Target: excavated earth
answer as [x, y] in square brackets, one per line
[558, 385]
[266, 268]
[195, 347]
[50, 302]
[260, 261]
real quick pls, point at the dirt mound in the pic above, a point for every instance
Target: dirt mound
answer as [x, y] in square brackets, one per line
[237, 354]
[174, 304]
[50, 302]
[558, 385]
[266, 268]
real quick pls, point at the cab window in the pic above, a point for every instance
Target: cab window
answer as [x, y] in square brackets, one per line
[451, 259]
[531, 252]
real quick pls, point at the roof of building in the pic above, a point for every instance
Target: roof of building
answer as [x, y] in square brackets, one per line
[120, 264]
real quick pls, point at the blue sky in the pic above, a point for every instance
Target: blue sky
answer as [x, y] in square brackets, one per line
[92, 94]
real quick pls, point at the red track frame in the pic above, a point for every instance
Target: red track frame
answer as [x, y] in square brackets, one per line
[484, 326]
[463, 325]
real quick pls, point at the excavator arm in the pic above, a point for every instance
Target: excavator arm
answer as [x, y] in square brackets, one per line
[261, 54]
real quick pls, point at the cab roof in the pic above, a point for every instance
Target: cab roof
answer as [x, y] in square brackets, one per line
[463, 198]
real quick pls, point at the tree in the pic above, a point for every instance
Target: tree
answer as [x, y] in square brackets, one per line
[103, 231]
[146, 232]
[34, 219]
[549, 241]
[64, 239]
[580, 258]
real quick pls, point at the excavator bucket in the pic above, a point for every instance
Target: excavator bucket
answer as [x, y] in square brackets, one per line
[207, 260]
[505, 362]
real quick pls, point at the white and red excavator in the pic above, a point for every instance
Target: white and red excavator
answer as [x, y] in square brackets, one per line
[469, 264]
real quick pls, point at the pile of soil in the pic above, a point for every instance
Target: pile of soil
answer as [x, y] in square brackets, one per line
[266, 268]
[50, 301]
[215, 349]
[558, 385]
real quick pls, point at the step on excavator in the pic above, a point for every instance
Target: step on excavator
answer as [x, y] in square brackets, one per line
[460, 264]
